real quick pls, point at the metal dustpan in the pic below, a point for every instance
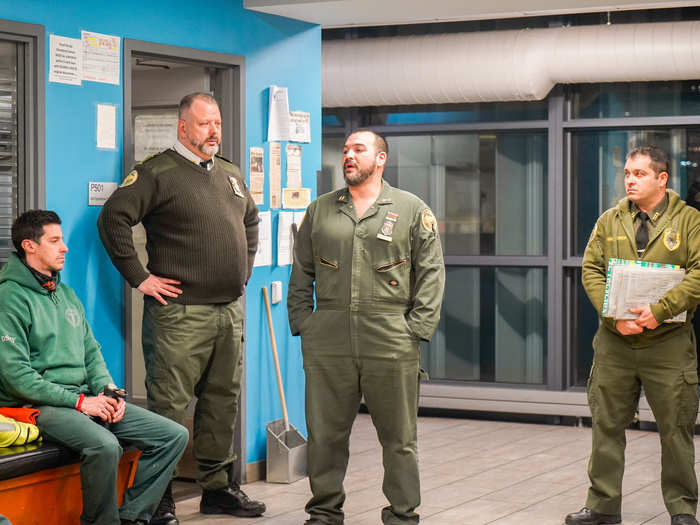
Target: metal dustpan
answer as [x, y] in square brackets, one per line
[286, 447]
[286, 453]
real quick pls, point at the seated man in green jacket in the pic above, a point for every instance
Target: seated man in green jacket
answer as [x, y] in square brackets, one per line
[50, 360]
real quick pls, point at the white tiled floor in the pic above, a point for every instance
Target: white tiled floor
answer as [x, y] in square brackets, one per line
[474, 472]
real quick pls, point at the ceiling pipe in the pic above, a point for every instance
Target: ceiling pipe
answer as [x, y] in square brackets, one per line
[491, 66]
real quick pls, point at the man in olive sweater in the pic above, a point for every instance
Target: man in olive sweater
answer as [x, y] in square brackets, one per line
[651, 224]
[50, 360]
[202, 235]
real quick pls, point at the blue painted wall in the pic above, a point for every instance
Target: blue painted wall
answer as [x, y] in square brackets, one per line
[278, 51]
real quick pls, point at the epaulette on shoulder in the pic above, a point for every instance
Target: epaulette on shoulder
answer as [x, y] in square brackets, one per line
[158, 163]
[229, 166]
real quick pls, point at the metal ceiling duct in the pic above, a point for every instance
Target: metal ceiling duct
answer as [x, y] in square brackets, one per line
[492, 66]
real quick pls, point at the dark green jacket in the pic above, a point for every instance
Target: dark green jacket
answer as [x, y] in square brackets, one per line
[48, 355]
[372, 294]
[674, 240]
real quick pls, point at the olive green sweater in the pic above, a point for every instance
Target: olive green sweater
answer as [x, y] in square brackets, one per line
[675, 239]
[202, 227]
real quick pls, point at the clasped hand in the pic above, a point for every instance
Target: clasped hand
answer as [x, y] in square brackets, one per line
[636, 326]
[106, 408]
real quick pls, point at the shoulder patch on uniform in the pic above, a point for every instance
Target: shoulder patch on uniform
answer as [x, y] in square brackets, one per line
[672, 239]
[130, 179]
[428, 221]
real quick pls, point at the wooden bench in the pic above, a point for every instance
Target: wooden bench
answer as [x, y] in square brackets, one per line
[40, 484]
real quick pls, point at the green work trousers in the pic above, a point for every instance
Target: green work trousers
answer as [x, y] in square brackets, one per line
[668, 372]
[334, 388]
[161, 442]
[195, 350]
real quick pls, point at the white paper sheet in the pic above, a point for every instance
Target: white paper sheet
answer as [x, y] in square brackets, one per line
[293, 166]
[154, 133]
[101, 56]
[264, 255]
[284, 238]
[66, 62]
[275, 175]
[257, 175]
[300, 126]
[278, 114]
[106, 126]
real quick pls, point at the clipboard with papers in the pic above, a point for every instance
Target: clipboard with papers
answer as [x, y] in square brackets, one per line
[631, 284]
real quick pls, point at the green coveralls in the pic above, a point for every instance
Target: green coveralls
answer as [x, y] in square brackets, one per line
[662, 360]
[378, 284]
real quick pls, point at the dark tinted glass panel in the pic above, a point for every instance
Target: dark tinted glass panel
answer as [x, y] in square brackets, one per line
[584, 322]
[598, 159]
[636, 99]
[9, 161]
[453, 113]
[493, 327]
[488, 191]
[333, 117]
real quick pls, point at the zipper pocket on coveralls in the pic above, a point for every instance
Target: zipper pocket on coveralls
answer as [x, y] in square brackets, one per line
[391, 266]
[329, 264]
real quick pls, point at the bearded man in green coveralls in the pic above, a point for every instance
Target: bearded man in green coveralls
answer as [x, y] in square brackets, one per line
[372, 256]
[651, 224]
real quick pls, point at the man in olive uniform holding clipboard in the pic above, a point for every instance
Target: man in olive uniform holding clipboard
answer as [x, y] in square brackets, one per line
[651, 224]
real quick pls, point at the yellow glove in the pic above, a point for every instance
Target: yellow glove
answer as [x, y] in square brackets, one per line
[17, 433]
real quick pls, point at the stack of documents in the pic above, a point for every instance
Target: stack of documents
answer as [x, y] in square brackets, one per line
[633, 284]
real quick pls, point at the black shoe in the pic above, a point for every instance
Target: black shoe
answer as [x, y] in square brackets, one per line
[588, 516]
[165, 513]
[683, 519]
[231, 500]
[133, 522]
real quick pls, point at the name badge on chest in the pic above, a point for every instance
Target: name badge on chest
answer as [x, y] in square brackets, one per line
[236, 187]
[387, 229]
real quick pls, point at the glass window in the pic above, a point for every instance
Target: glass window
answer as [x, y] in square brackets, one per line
[493, 326]
[9, 192]
[333, 117]
[453, 113]
[584, 325]
[488, 191]
[598, 159]
[635, 99]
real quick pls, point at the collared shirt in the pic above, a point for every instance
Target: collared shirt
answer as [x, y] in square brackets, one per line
[189, 155]
[654, 214]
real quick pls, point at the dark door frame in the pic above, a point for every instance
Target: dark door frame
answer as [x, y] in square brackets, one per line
[229, 90]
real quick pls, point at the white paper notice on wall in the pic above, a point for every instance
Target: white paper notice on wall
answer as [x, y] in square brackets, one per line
[153, 133]
[99, 192]
[66, 62]
[284, 238]
[264, 255]
[275, 175]
[106, 126]
[101, 55]
[293, 166]
[278, 114]
[300, 126]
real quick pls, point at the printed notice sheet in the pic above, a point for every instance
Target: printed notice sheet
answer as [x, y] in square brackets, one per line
[284, 238]
[275, 175]
[300, 126]
[66, 63]
[257, 175]
[154, 133]
[631, 284]
[293, 166]
[101, 55]
[264, 255]
[278, 120]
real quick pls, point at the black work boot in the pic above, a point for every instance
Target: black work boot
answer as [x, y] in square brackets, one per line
[132, 522]
[231, 500]
[165, 513]
[588, 516]
[683, 519]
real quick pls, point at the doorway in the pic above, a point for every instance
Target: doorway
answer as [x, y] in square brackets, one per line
[156, 77]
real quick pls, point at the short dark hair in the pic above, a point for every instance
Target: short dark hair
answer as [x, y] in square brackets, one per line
[379, 142]
[659, 158]
[30, 225]
[187, 101]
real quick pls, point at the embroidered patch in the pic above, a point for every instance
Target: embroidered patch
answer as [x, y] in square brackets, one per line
[129, 179]
[428, 221]
[73, 317]
[672, 239]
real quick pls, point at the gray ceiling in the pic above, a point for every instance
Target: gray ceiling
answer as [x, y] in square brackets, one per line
[346, 13]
